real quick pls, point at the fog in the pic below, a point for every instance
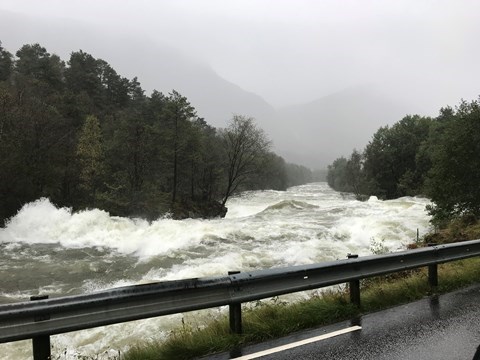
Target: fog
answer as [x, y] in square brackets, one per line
[319, 76]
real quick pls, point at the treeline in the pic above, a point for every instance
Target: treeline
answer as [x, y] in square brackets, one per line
[435, 157]
[84, 136]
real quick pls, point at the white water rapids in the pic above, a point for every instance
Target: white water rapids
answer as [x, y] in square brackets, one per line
[47, 250]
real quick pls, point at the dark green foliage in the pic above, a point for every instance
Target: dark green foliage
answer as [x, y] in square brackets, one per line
[299, 174]
[348, 175]
[421, 156]
[179, 141]
[90, 155]
[36, 67]
[391, 157]
[271, 173]
[6, 64]
[453, 179]
[337, 175]
[83, 136]
[393, 164]
[33, 132]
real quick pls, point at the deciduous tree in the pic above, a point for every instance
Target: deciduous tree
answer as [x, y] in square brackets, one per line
[244, 143]
[453, 180]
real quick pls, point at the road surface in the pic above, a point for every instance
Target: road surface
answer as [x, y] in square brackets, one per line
[445, 327]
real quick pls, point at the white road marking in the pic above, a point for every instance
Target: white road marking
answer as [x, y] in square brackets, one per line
[298, 343]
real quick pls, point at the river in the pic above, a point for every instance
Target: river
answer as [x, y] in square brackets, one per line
[49, 250]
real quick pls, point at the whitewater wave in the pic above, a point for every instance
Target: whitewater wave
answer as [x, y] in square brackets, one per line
[45, 249]
[40, 222]
[289, 205]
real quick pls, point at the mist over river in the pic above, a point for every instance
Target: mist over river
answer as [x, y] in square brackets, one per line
[49, 250]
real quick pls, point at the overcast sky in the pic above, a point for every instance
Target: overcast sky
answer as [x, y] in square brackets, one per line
[297, 51]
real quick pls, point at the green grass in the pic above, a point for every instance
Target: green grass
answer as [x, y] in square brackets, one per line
[261, 321]
[275, 318]
[460, 229]
[386, 292]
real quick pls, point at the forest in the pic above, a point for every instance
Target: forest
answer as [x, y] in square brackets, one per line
[434, 157]
[83, 136]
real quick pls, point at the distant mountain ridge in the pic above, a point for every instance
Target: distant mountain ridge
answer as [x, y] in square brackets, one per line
[318, 132]
[157, 67]
[312, 134]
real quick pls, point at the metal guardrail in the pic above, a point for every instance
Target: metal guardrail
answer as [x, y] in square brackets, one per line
[46, 317]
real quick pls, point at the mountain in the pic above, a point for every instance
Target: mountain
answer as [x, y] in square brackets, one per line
[316, 133]
[156, 65]
[164, 68]
[312, 134]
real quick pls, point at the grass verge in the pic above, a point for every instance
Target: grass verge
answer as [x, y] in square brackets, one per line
[275, 318]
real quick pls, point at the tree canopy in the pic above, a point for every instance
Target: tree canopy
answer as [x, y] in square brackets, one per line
[84, 136]
[245, 147]
[454, 175]
[418, 155]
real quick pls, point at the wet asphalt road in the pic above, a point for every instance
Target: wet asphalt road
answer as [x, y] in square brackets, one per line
[446, 327]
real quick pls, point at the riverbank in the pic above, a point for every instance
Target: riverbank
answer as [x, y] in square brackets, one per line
[275, 318]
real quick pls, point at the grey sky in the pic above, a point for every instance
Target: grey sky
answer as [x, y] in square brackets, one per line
[297, 51]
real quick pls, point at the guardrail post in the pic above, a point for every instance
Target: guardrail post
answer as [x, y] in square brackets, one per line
[41, 344]
[235, 313]
[432, 272]
[354, 286]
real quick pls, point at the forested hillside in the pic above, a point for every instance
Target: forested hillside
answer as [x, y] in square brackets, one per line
[436, 157]
[84, 136]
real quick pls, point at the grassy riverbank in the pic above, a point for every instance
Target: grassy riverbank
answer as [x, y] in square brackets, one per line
[275, 318]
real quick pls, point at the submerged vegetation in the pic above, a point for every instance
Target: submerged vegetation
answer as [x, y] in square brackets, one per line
[84, 136]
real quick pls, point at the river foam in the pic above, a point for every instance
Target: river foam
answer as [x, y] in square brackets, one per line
[50, 250]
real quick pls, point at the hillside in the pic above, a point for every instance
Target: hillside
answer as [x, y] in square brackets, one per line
[312, 134]
[317, 132]
[157, 66]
